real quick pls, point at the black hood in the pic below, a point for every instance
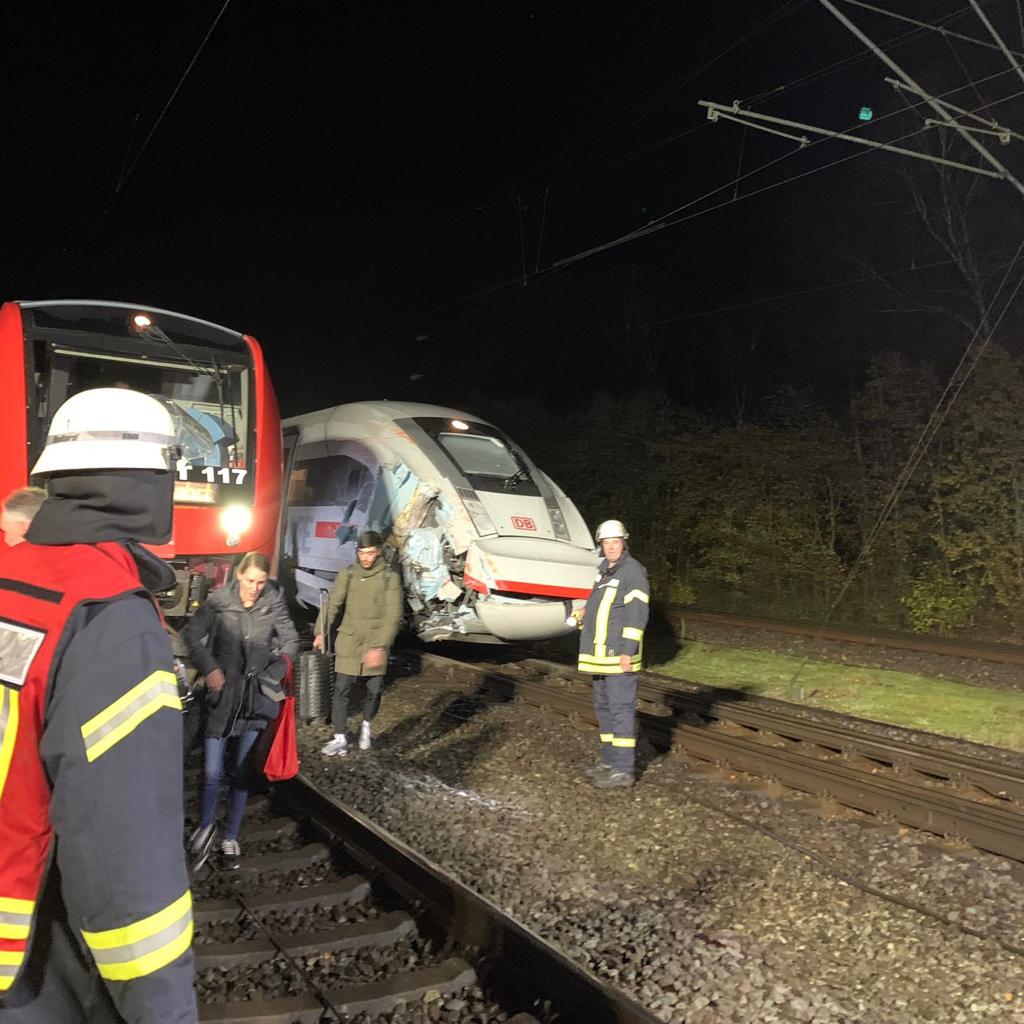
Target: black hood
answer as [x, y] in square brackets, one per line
[131, 506]
[90, 507]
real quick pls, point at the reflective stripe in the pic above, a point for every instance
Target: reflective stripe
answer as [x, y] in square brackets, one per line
[144, 947]
[10, 964]
[632, 633]
[607, 664]
[607, 737]
[636, 595]
[158, 690]
[8, 731]
[113, 435]
[623, 741]
[604, 609]
[15, 917]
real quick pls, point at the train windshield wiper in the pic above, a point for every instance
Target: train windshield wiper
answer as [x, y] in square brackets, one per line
[515, 479]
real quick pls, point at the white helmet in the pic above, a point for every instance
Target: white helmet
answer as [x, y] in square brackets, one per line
[611, 528]
[108, 428]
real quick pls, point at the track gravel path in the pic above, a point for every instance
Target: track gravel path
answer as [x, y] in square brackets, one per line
[673, 890]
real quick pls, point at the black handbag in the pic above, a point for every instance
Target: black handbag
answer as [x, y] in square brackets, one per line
[271, 680]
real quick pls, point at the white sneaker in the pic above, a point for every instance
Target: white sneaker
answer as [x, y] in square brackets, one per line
[364, 736]
[337, 747]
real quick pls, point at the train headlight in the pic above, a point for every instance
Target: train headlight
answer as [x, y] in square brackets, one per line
[234, 521]
[561, 531]
[482, 522]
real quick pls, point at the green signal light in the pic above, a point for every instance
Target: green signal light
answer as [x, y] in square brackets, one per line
[866, 113]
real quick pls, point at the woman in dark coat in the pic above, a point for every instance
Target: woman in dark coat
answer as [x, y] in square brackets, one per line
[236, 640]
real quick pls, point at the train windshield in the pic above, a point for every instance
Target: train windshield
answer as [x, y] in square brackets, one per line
[478, 455]
[208, 403]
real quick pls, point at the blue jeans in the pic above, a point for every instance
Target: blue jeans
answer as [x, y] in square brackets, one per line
[213, 768]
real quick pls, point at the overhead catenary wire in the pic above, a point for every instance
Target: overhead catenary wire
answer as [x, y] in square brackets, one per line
[170, 99]
[931, 27]
[663, 222]
[657, 226]
[754, 100]
[998, 38]
[984, 153]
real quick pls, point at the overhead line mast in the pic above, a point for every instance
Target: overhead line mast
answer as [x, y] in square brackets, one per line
[942, 113]
[753, 119]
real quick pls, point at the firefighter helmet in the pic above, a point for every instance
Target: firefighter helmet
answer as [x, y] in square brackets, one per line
[611, 528]
[108, 428]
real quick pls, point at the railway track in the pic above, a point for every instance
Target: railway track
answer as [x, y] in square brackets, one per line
[1007, 654]
[329, 917]
[952, 788]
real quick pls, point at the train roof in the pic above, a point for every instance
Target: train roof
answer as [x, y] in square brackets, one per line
[372, 415]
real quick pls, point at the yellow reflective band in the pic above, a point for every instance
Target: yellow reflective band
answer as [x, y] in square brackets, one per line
[623, 741]
[158, 690]
[15, 917]
[604, 609]
[8, 731]
[632, 633]
[607, 666]
[10, 964]
[607, 737]
[636, 595]
[144, 947]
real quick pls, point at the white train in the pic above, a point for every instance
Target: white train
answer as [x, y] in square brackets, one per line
[489, 547]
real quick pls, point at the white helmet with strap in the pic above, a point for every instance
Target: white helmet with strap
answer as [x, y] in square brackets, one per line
[610, 528]
[109, 428]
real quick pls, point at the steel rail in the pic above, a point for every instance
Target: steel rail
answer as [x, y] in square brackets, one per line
[1008, 654]
[512, 961]
[745, 738]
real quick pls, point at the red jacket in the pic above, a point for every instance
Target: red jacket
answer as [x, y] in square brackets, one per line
[90, 780]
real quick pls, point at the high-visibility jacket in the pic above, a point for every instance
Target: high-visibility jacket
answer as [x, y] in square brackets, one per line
[615, 617]
[90, 785]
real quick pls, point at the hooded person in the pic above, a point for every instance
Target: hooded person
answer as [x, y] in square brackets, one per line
[95, 906]
[370, 592]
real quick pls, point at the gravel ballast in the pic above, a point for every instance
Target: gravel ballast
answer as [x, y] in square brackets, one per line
[673, 890]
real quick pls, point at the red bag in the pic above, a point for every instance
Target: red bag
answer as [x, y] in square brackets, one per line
[283, 759]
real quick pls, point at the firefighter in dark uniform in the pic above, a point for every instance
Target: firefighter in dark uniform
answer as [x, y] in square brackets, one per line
[611, 650]
[95, 906]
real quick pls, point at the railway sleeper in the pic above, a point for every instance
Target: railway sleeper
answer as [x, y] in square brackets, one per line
[345, 892]
[448, 978]
[285, 860]
[385, 930]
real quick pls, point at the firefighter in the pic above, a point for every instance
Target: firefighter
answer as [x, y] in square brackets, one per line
[611, 650]
[95, 907]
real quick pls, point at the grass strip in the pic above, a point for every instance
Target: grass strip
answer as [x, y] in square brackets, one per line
[994, 717]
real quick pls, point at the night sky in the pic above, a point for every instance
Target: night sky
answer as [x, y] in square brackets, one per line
[365, 188]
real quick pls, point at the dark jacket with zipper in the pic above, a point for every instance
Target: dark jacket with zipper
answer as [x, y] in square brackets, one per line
[615, 617]
[242, 642]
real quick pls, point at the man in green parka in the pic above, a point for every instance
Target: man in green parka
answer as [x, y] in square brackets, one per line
[371, 594]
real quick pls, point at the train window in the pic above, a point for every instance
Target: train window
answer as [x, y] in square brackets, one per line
[477, 455]
[334, 480]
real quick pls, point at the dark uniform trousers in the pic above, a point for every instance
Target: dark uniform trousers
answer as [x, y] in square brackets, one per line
[615, 705]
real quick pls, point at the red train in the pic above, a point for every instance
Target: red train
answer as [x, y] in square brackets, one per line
[213, 380]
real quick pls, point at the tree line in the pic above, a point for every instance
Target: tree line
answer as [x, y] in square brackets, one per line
[773, 515]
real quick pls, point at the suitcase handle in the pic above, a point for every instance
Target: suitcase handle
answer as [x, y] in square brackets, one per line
[328, 638]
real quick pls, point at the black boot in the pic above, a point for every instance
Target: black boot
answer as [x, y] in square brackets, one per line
[613, 779]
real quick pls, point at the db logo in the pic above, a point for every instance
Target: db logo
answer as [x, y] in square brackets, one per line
[523, 523]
